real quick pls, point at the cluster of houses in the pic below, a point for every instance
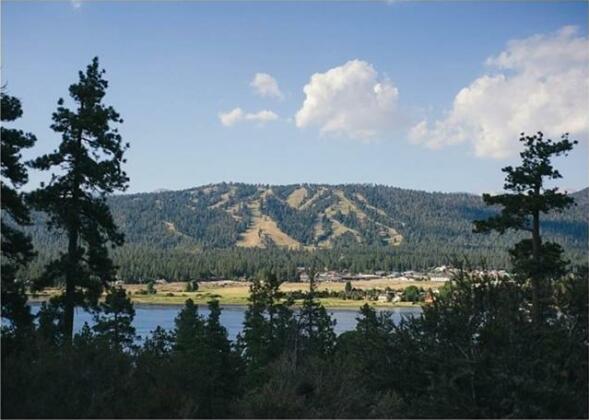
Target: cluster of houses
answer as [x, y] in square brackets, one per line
[441, 274]
[394, 296]
[341, 276]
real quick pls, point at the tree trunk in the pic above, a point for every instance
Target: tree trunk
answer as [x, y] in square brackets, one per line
[70, 287]
[73, 239]
[536, 275]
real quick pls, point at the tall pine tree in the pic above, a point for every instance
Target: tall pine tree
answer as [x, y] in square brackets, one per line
[88, 161]
[17, 249]
[528, 199]
[114, 319]
[315, 326]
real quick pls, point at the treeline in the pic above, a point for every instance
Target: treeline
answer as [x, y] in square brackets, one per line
[142, 263]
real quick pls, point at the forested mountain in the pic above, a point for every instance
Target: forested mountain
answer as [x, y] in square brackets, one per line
[232, 230]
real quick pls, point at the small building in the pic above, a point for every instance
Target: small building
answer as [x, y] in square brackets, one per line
[383, 298]
[329, 276]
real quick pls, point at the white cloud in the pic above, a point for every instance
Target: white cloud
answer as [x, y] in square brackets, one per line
[237, 115]
[540, 83]
[231, 117]
[266, 85]
[349, 101]
[76, 4]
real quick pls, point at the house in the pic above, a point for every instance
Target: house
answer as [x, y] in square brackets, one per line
[383, 298]
[161, 281]
[365, 276]
[329, 276]
[441, 269]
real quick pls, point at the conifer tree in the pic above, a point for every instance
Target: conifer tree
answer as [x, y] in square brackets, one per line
[189, 329]
[314, 323]
[89, 162]
[114, 318]
[268, 324]
[521, 210]
[222, 366]
[17, 249]
[51, 321]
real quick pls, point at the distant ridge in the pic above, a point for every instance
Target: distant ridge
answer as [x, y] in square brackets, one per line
[316, 216]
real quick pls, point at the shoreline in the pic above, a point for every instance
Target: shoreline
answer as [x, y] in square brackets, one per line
[351, 305]
[230, 292]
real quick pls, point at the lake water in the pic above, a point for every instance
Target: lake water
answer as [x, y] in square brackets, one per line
[148, 317]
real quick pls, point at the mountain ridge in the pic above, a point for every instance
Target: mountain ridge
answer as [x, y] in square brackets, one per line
[312, 216]
[361, 184]
[228, 230]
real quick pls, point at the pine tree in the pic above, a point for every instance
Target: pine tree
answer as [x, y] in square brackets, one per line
[222, 366]
[51, 321]
[17, 249]
[268, 325]
[529, 198]
[114, 318]
[89, 162]
[315, 326]
[348, 287]
[189, 327]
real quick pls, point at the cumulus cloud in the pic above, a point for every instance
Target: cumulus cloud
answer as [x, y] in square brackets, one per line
[265, 85]
[540, 83]
[237, 115]
[349, 101]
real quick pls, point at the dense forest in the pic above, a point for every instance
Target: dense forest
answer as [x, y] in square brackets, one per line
[468, 356]
[235, 230]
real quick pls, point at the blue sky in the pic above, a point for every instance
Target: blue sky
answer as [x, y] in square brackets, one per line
[175, 67]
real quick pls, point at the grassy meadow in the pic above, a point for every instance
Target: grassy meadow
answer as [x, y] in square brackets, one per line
[236, 293]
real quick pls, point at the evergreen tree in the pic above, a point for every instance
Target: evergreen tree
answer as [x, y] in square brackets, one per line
[89, 162]
[268, 326]
[191, 286]
[17, 249]
[367, 349]
[51, 321]
[189, 328]
[223, 366]
[114, 319]
[348, 287]
[521, 209]
[315, 326]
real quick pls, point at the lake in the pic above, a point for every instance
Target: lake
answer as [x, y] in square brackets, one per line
[148, 317]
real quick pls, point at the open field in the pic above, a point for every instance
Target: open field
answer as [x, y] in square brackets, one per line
[236, 293]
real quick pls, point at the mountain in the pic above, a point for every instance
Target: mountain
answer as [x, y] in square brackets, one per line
[233, 220]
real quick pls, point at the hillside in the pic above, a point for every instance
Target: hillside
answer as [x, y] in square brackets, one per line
[244, 220]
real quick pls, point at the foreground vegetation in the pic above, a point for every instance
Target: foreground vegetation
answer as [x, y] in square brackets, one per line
[473, 353]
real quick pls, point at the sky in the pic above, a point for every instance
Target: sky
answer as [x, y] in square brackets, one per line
[421, 95]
